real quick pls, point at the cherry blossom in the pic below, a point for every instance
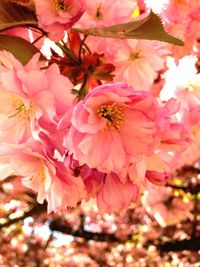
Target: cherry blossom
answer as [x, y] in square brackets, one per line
[106, 12]
[56, 16]
[166, 209]
[99, 137]
[44, 174]
[114, 195]
[120, 123]
[137, 62]
[27, 106]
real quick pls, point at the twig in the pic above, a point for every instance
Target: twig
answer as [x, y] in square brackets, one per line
[55, 225]
[36, 209]
[192, 244]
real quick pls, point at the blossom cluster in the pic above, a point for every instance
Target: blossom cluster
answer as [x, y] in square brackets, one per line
[88, 122]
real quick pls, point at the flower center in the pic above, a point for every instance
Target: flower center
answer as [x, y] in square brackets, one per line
[20, 109]
[99, 14]
[134, 55]
[113, 114]
[59, 5]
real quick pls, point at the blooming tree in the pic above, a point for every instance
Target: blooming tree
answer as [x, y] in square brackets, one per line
[99, 125]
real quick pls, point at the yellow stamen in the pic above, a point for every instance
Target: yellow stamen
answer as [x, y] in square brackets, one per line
[134, 55]
[59, 5]
[20, 109]
[99, 14]
[113, 114]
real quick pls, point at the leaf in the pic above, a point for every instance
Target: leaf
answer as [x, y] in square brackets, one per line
[14, 15]
[149, 27]
[19, 47]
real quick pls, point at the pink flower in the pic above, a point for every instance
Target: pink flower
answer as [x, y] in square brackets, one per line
[189, 156]
[182, 82]
[110, 192]
[45, 175]
[92, 179]
[137, 62]
[154, 169]
[66, 190]
[56, 16]
[8, 62]
[179, 76]
[30, 99]
[115, 195]
[165, 207]
[106, 12]
[112, 124]
[176, 134]
[174, 11]
[181, 18]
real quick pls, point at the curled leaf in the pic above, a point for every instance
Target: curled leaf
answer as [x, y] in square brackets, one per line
[15, 15]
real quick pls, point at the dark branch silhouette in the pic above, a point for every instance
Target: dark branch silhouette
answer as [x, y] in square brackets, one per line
[55, 225]
[192, 244]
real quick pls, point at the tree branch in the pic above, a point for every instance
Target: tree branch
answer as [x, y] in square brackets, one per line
[192, 244]
[188, 169]
[191, 188]
[36, 209]
[55, 225]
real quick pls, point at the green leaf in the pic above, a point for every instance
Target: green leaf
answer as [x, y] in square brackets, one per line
[20, 48]
[14, 15]
[149, 27]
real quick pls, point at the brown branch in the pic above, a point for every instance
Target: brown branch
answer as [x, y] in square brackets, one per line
[195, 221]
[192, 244]
[7, 179]
[188, 169]
[191, 188]
[55, 225]
[48, 241]
[36, 209]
